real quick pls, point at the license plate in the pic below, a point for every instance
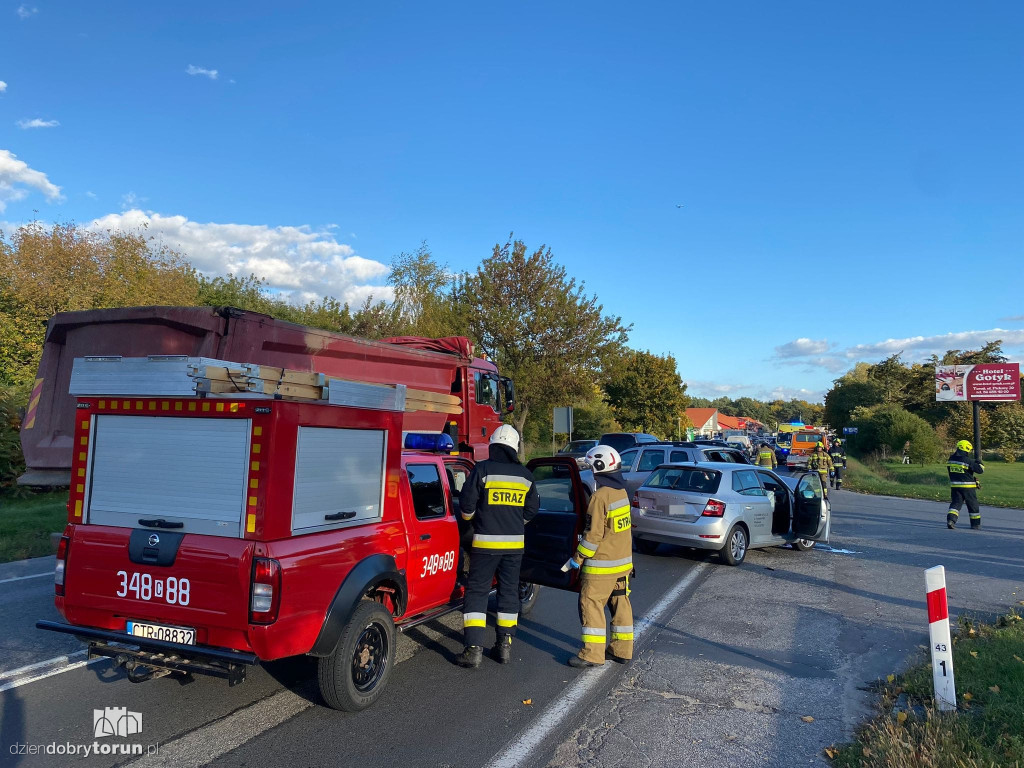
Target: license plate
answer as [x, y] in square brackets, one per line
[183, 635]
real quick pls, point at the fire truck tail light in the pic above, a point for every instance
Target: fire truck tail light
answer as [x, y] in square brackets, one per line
[62, 560]
[266, 591]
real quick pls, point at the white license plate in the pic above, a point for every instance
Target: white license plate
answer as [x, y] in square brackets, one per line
[183, 635]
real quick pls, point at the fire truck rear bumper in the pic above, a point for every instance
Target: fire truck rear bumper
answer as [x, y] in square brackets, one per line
[144, 658]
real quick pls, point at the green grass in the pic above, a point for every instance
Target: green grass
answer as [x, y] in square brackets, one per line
[26, 524]
[986, 730]
[1002, 485]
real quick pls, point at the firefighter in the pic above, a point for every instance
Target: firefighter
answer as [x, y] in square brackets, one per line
[498, 498]
[838, 455]
[963, 485]
[820, 462]
[766, 457]
[605, 555]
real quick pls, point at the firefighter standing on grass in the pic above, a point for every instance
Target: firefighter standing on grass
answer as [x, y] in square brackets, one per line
[820, 462]
[605, 555]
[963, 485]
[499, 498]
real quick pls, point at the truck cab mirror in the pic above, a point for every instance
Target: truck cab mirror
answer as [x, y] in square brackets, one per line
[508, 390]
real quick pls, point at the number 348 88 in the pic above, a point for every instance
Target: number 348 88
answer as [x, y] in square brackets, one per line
[143, 586]
[436, 563]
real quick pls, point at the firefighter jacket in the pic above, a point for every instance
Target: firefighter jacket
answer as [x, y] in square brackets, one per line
[962, 468]
[820, 461]
[499, 498]
[766, 457]
[606, 549]
[838, 456]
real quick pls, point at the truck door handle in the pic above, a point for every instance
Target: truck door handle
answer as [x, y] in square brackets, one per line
[425, 537]
[340, 516]
[160, 523]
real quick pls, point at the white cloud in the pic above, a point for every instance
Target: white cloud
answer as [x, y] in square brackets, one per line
[1013, 319]
[3, 86]
[130, 200]
[713, 389]
[37, 122]
[25, 12]
[16, 175]
[300, 263]
[921, 347]
[802, 346]
[194, 70]
[90, 194]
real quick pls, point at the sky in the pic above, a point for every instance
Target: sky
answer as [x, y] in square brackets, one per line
[770, 192]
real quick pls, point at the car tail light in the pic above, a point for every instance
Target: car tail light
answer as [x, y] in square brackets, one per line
[714, 508]
[636, 499]
[266, 591]
[62, 560]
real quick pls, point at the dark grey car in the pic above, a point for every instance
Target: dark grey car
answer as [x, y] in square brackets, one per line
[640, 461]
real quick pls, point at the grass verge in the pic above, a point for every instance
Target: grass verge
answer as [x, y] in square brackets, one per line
[26, 524]
[986, 730]
[1002, 485]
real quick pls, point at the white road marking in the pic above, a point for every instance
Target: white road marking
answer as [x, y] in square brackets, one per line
[206, 744]
[55, 666]
[22, 578]
[517, 752]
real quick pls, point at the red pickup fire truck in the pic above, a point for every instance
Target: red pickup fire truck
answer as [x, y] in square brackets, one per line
[206, 535]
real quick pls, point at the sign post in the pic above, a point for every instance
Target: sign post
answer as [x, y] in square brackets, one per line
[939, 639]
[563, 423]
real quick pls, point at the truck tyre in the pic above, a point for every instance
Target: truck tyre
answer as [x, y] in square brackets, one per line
[527, 597]
[354, 675]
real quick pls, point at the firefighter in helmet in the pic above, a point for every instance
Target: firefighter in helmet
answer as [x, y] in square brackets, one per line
[499, 498]
[605, 556]
[963, 485]
[766, 457]
[838, 455]
[820, 462]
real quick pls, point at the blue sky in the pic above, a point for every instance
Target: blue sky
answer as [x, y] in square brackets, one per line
[851, 175]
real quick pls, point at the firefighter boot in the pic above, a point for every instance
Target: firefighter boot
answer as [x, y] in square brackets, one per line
[951, 520]
[502, 650]
[471, 657]
[578, 663]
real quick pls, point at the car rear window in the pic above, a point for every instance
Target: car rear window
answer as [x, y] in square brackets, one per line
[685, 479]
[807, 438]
[679, 456]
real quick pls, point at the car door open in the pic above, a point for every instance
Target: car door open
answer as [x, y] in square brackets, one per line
[811, 518]
[552, 536]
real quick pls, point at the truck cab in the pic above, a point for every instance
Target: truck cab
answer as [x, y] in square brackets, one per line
[206, 535]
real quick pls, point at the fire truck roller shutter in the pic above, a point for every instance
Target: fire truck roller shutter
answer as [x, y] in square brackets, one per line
[367, 574]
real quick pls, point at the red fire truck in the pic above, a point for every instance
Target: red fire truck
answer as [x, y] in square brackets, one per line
[440, 365]
[209, 534]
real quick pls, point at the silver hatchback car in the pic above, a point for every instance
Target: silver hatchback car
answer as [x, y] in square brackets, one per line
[729, 508]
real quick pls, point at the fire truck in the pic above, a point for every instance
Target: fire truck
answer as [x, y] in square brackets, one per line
[446, 366]
[210, 533]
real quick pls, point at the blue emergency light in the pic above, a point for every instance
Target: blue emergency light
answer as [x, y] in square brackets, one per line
[421, 441]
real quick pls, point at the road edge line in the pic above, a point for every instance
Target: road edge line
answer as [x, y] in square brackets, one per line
[22, 578]
[518, 752]
[35, 678]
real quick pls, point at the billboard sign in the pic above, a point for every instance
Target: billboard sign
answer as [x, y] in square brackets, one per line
[990, 382]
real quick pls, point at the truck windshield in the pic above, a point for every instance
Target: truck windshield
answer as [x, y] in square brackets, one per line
[487, 390]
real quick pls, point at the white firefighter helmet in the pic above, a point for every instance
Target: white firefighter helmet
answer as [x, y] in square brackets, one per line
[506, 435]
[603, 458]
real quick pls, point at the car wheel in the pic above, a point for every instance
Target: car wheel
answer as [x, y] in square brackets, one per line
[646, 546]
[527, 597]
[356, 672]
[735, 548]
[802, 545]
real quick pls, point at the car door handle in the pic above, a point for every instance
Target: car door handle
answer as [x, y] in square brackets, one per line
[425, 537]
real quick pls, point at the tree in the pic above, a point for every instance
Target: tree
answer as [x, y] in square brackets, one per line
[540, 327]
[647, 394]
[1006, 430]
[886, 428]
[428, 295]
[848, 395]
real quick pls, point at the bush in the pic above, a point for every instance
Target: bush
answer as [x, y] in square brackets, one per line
[887, 428]
[12, 463]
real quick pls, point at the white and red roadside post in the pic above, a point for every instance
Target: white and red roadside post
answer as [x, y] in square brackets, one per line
[940, 641]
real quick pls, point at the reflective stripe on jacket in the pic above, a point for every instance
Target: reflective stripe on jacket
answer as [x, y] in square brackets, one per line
[499, 497]
[607, 545]
[962, 468]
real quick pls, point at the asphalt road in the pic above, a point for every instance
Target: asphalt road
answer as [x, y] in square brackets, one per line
[725, 674]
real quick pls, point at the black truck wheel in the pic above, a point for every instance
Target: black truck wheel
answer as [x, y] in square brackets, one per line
[353, 676]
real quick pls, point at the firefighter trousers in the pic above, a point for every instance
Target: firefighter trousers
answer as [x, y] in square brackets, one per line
[960, 496]
[837, 475]
[482, 568]
[823, 474]
[595, 594]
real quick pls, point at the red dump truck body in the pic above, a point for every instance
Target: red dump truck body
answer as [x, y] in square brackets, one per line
[439, 365]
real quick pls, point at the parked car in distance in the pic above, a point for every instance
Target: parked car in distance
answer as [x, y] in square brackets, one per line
[577, 449]
[623, 441]
[711, 441]
[639, 462]
[729, 508]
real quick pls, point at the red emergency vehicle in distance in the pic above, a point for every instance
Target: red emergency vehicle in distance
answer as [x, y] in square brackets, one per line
[209, 534]
[225, 333]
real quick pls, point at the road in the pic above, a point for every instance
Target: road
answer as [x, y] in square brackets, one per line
[733, 661]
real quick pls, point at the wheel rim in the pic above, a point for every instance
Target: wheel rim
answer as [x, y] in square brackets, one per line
[738, 544]
[526, 591]
[806, 543]
[370, 659]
